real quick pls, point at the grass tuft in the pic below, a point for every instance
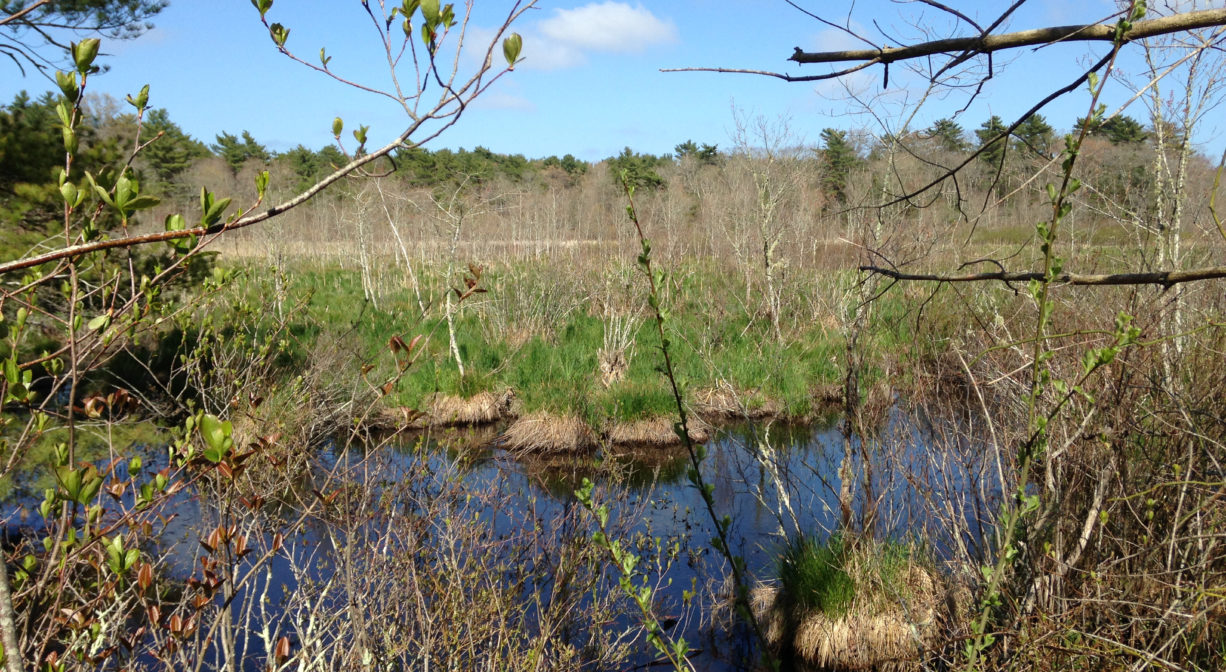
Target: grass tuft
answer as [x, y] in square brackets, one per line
[813, 577]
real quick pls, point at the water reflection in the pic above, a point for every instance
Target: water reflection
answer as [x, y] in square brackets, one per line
[772, 480]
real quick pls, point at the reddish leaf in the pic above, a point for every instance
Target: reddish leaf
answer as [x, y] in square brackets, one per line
[144, 577]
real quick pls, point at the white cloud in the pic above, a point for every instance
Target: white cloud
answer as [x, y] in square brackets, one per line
[611, 27]
[541, 53]
[505, 101]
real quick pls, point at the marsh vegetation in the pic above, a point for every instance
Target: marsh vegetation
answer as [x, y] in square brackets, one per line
[924, 398]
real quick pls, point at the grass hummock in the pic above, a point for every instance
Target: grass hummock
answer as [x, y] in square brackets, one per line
[860, 605]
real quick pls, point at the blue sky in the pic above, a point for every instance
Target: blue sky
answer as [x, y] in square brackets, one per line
[590, 83]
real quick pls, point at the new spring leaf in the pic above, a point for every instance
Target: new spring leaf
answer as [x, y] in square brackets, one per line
[511, 47]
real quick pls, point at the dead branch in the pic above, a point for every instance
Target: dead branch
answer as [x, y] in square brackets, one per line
[986, 44]
[983, 44]
[1164, 278]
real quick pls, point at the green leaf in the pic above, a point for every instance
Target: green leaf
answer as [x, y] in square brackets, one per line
[217, 437]
[69, 86]
[114, 549]
[64, 111]
[102, 193]
[141, 99]
[324, 58]
[142, 203]
[511, 47]
[263, 6]
[123, 191]
[100, 322]
[211, 208]
[70, 140]
[261, 183]
[430, 11]
[84, 53]
[427, 37]
[338, 125]
[68, 191]
[279, 34]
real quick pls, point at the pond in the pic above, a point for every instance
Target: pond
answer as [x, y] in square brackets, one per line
[462, 505]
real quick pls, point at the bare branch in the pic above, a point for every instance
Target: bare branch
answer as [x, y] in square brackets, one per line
[1164, 278]
[986, 44]
[27, 10]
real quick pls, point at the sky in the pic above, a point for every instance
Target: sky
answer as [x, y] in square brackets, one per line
[590, 82]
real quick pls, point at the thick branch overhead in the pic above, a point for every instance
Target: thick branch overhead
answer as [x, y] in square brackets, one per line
[1025, 38]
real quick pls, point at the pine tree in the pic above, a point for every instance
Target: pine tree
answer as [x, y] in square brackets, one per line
[1034, 135]
[948, 135]
[990, 138]
[838, 159]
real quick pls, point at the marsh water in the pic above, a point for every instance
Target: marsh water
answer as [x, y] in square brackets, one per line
[772, 480]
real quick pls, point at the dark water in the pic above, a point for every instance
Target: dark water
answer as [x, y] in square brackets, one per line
[773, 481]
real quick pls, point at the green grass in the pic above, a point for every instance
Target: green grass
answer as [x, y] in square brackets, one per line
[546, 348]
[813, 577]
[829, 576]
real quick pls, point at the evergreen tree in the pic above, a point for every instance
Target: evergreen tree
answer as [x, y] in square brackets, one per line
[30, 142]
[640, 169]
[838, 158]
[304, 164]
[170, 154]
[1124, 129]
[1034, 135]
[707, 155]
[1119, 129]
[948, 134]
[989, 135]
[236, 152]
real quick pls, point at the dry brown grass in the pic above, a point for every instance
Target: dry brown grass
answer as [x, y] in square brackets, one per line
[879, 631]
[547, 433]
[724, 403]
[654, 432]
[445, 410]
[481, 408]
